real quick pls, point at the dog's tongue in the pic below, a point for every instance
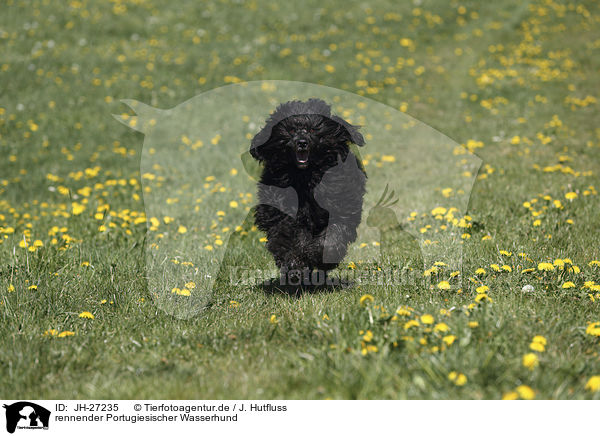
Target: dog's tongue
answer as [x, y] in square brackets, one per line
[302, 156]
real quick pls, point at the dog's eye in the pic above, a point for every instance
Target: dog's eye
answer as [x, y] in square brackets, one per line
[312, 130]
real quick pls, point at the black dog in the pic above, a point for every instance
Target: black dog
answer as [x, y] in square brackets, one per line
[311, 188]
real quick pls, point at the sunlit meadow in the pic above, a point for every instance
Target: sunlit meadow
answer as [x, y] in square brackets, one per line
[514, 83]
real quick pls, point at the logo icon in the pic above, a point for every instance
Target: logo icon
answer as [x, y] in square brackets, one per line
[26, 415]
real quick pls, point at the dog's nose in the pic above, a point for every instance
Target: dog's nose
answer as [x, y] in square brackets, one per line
[302, 143]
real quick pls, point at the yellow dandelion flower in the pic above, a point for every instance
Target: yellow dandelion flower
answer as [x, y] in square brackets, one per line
[540, 340]
[536, 346]
[427, 319]
[366, 349]
[233, 204]
[411, 323]
[449, 339]
[441, 327]
[273, 319]
[482, 289]
[530, 360]
[458, 378]
[182, 229]
[525, 392]
[568, 285]
[65, 334]
[443, 285]
[545, 266]
[571, 196]
[473, 324]
[593, 329]
[87, 315]
[404, 311]
[366, 299]
[432, 270]
[593, 384]
[512, 395]
[461, 380]
[481, 297]
[78, 208]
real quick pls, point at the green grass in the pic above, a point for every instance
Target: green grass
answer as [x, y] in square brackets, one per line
[488, 72]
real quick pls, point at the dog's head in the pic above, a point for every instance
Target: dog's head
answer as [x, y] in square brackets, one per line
[300, 133]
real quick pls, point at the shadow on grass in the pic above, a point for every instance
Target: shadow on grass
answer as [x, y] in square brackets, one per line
[332, 284]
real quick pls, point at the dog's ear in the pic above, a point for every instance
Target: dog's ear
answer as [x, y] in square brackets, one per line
[349, 132]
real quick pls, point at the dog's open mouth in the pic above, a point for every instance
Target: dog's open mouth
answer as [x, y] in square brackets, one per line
[302, 158]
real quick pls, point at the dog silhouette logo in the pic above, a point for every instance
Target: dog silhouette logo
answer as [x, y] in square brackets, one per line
[26, 415]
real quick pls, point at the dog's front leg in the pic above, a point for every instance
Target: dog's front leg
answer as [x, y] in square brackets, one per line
[335, 242]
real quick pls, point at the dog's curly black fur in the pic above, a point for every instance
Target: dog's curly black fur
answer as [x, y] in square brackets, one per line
[311, 188]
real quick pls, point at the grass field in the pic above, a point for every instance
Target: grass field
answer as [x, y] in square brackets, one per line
[86, 202]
